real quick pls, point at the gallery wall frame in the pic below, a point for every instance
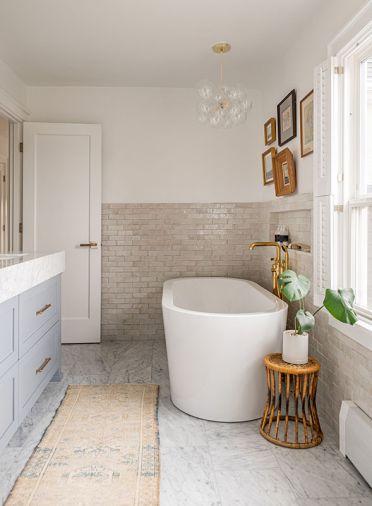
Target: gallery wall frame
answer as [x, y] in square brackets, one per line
[284, 173]
[270, 131]
[268, 163]
[287, 122]
[307, 124]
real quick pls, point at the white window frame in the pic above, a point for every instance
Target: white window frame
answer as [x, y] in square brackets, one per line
[349, 158]
[333, 161]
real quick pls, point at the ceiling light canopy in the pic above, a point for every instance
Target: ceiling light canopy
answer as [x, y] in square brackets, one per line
[222, 105]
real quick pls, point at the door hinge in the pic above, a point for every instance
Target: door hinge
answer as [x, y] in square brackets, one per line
[3, 228]
[3, 179]
[339, 208]
[339, 69]
[21, 147]
[20, 228]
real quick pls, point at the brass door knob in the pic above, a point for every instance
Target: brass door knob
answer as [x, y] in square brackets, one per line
[89, 245]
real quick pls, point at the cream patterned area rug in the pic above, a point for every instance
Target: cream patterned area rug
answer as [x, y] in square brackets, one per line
[102, 448]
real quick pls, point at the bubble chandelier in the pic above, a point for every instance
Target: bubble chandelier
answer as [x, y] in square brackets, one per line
[221, 105]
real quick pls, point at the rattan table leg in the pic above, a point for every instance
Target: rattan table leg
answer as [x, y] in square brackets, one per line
[290, 417]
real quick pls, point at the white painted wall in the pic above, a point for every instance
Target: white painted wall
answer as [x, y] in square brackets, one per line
[154, 149]
[12, 84]
[295, 70]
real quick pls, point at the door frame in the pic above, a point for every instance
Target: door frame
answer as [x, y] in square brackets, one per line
[4, 204]
[16, 114]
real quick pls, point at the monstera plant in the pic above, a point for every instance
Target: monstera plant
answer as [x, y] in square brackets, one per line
[339, 303]
[295, 287]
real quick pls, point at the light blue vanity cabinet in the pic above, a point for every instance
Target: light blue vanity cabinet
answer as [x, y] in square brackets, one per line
[30, 337]
[8, 334]
[39, 310]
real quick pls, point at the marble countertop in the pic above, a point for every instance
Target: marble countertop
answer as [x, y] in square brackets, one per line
[21, 273]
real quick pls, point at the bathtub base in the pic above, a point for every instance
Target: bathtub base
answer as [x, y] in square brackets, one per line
[203, 415]
[233, 393]
[215, 359]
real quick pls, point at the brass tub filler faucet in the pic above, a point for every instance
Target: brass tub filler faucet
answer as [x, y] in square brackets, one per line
[279, 264]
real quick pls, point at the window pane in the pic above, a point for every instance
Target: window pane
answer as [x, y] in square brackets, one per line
[365, 184]
[361, 256]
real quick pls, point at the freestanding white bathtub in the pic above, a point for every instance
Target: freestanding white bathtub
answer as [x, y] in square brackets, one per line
[217, 332]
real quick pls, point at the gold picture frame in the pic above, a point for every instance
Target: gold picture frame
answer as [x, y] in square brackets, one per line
[307, 124]
[268, 165]
[270, 131]
[284, 173]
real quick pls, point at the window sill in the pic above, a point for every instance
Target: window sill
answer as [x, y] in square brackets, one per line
[361, 332]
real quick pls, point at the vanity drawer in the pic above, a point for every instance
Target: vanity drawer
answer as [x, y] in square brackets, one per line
[9, 405]
[38, 311]
[37, 367]
[8, 334]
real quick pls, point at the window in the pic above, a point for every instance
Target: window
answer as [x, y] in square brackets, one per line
[342, 238]
[353, 242]
[343, 173]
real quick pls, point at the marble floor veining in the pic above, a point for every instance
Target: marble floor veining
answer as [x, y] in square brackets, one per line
[202, 463]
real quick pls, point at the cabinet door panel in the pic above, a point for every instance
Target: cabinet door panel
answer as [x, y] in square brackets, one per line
[37, 367]
[8, 334]
[9, 405]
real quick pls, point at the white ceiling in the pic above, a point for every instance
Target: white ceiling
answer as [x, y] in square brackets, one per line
[145, 42]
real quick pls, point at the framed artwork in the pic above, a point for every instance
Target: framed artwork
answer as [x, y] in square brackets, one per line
[307, 124]
[268, 161]
[284, 173]
[286, 112]
[270, 131]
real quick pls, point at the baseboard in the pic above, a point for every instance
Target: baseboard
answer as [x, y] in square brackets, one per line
[356, 438]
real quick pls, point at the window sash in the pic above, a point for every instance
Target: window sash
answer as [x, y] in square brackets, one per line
[351, 239]
[365, 99]
[358, 255]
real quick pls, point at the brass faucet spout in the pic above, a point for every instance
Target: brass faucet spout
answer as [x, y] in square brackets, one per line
[278, 265]
[276, 245]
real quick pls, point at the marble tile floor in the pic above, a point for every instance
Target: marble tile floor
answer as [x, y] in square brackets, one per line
[202, 463]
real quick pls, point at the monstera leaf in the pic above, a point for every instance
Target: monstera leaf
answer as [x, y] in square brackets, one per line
[292, 286]
[340, 304]
[306, 321]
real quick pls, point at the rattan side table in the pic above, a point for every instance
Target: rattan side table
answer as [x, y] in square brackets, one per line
[290, 418]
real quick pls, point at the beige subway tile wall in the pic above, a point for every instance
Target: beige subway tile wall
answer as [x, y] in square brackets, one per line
[145, 244]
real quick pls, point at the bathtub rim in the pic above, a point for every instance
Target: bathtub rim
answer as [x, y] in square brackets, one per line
[167, 300]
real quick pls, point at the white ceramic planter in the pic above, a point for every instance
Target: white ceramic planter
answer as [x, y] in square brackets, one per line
[295, 347]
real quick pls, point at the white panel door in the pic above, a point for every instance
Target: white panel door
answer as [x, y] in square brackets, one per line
[62, 211]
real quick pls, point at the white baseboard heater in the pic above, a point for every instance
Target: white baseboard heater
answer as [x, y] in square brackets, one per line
[356, 438]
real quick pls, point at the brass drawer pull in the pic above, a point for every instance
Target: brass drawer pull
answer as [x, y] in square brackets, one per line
[43, 309]
[43, 365]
